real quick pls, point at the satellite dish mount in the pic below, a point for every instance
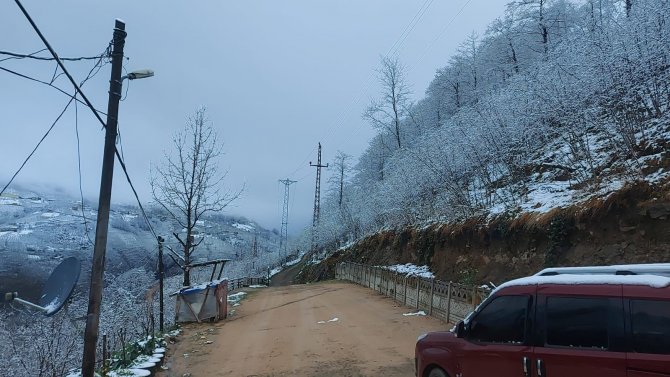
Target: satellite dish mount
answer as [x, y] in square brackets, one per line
[56, 291]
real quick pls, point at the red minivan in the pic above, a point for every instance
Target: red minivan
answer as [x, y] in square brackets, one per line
[609, 321]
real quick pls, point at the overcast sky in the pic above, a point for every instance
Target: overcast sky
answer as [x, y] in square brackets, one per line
[277, 77]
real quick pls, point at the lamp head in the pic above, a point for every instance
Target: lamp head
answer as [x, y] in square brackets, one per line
[141, 74]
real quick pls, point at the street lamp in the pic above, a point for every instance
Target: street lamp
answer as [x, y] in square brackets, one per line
[140, 74]
[104, 200]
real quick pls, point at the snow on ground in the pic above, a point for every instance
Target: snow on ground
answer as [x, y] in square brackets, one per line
[245, 227]
[235, 298]
[293, 262]
[128, 217]
[9, 201]
[542, 197]
[419, 313]
[334, 319]
[544, 192]
[346, 246]
[411, 270]
[258, 286]
[50, 214]
[275, 271]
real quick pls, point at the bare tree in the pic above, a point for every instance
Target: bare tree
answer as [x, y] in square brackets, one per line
[342, 167]
[386, 113]
[189, 184]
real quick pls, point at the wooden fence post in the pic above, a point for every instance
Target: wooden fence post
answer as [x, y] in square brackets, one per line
[359, 271]
[404, 300]
[388, 282]
[474, 295]
[418, 292]
[448, 303]
[432, 292]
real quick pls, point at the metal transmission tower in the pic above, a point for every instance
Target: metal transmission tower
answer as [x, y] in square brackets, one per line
[317, 198]
[283, 235]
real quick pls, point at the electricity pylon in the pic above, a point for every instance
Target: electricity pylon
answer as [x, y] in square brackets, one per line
[317, 199]
[283, 235]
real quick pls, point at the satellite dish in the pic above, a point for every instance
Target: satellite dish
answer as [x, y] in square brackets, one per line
[57, 289]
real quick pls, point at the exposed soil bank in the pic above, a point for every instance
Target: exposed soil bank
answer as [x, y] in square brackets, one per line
[630, 226]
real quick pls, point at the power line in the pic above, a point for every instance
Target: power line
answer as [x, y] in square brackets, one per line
[410, 26]
[14, 55]
[81, 191]
[94, 71]
[60, 63]
[444, 30]
[37, 146]
[344, 114]
[47, 84]
[139, 203]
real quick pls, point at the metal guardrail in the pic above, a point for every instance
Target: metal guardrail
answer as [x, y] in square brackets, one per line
[448, 301]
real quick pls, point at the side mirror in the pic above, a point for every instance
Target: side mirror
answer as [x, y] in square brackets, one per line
[460, 329]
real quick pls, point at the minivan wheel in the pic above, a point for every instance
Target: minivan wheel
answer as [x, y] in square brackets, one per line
[437, 372]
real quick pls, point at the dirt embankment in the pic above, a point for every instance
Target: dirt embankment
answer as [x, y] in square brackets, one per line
[630, 226]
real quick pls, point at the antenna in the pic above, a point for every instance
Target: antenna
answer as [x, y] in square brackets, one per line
[57, 289]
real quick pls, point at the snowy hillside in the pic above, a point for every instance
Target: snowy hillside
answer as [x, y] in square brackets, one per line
[37, 231]
[556, 104]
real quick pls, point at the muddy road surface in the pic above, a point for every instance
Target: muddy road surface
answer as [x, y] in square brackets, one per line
[327, 329]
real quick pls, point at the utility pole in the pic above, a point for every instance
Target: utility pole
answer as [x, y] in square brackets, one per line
[161, 276]
[283, 235]
[317, 199]
[102, 224]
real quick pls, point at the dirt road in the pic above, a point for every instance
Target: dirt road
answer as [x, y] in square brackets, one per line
[327, 329]
[286, 276]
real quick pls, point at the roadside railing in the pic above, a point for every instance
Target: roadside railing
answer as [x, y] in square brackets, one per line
[448, 301]
[234, 284]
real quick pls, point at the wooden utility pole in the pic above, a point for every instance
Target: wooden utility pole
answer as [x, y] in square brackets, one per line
[102, 224]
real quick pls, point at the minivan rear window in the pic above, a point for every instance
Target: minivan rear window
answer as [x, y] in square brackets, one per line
[651, 326]
[577, 322]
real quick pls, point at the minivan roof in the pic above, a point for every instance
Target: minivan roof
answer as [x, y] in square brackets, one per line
[660, 269]
[654, 281]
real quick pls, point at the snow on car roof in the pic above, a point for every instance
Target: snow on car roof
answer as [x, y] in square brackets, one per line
[654, 281]
[662, 269]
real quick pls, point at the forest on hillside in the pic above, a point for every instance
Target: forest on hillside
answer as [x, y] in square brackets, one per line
[557, 102]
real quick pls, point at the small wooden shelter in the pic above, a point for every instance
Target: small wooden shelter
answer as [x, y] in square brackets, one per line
[205, 301]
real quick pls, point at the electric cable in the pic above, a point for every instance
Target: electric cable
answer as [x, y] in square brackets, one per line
[60, 63]
[139, 203]
[37, 146]
[81, 191]
[444, 30]
[14, 55]
[47, 84]
[345, 113]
